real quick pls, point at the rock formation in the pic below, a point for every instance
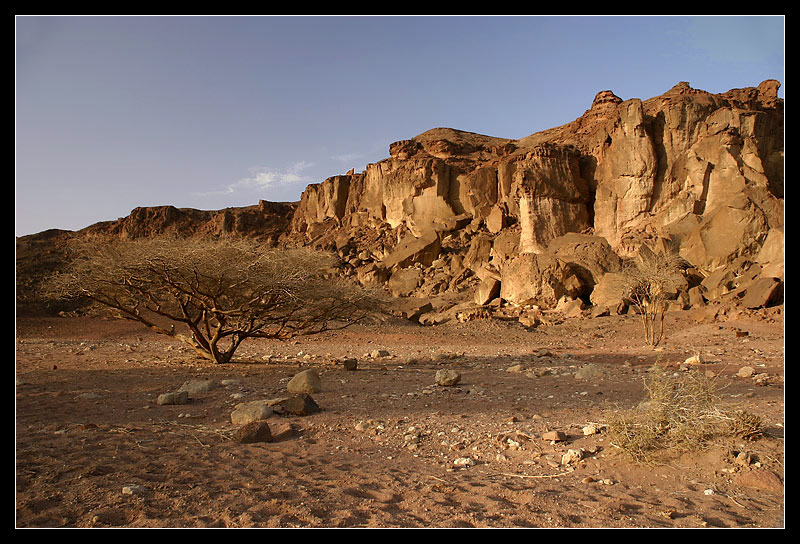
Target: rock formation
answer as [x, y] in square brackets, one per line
[547, 216]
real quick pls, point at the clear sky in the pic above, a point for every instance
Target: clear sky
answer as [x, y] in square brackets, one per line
[112, 113]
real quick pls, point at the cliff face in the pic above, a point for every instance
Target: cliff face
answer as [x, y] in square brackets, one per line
[701, 173]
[703, 170]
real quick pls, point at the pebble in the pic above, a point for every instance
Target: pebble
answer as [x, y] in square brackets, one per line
[572, 456]
[133, 489]
[554, 436]
[590, 429]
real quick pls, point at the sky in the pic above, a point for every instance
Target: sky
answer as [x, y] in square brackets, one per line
[118, 112]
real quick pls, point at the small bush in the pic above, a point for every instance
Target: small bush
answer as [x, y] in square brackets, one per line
[648, 281]
[681, 414]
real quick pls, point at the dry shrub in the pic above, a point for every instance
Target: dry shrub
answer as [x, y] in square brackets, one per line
[649, 280]
[681, 414]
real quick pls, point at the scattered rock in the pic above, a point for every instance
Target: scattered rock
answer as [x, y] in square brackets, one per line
[297, 405]
[249, 412]
[177, 397]
[198, 386]
[554, 436]
[590, 429]
[447, 377]
[746, 372]
[134, 489]
[572, 456]
[307, 381]
[253, 432]
[350, 363]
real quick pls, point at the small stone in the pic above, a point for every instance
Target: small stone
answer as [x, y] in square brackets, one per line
[198, 386]
[250, 411]
[464, 462]
[350, 363]
[746, 372]
[554, 436]
[572, 456]
[179, 397]
[590, 429]
[133, 489]
[307, 381]
[589, 372]
[447, 377]
[253, 432]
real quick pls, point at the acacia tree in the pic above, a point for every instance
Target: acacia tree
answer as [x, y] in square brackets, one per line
[220, 292]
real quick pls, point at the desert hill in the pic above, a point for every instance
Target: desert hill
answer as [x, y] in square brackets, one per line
[464, 224]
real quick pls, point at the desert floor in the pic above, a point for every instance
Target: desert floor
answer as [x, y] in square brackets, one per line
[389, 448]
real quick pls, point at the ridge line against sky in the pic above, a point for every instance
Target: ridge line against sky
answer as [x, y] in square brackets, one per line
[208, 112]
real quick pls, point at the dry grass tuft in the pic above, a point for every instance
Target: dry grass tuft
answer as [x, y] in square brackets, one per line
[681, 414]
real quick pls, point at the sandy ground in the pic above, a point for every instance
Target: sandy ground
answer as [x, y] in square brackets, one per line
[389, 449]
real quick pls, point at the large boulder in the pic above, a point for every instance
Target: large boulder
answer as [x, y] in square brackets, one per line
[538, 279]
[590, 256]
[404, 281]
[610, 292]
[423, 249]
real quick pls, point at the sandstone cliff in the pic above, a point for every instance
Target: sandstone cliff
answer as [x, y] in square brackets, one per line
[698, 172]
[686, 164]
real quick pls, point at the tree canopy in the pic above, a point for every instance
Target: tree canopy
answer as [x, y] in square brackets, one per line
[222, 291]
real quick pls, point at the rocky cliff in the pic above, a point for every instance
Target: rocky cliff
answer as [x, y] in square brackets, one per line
[453, 211]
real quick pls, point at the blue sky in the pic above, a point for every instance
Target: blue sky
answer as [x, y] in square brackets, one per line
[112, 113]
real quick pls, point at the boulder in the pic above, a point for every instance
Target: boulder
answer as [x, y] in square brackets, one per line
[413, 308]
[248, 412]
[762, 292]
[771, 254]
[590, 256]
[253, 432]
[424, 250]
[297, 405]
[610, 292]
[404, 281]
[487, 290]
[307, 381]
[480, 249]
[542, 279]
[372, 275]
[198, 386]
[178, 397]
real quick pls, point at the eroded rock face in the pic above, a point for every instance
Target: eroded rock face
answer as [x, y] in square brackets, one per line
[688, 164]
[691, 170]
